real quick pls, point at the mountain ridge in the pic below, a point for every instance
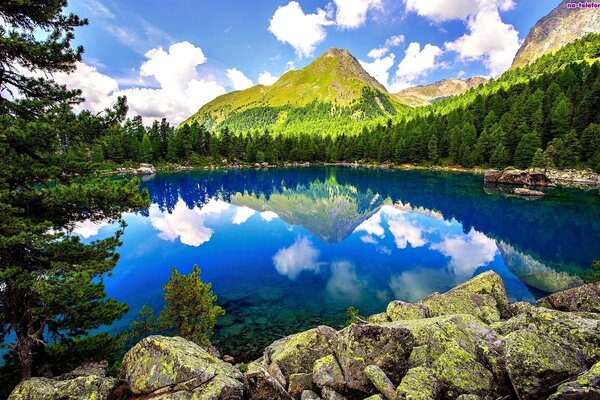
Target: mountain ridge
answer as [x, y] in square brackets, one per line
[427, 94]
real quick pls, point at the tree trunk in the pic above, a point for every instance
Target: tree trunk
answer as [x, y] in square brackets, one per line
[23, 349]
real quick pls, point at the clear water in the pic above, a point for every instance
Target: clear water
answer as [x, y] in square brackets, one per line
[289, 249]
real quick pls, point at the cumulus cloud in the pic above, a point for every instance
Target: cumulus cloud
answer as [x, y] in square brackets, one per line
[187, 224]
[300, 256]
[404, 229]
[379, 68]
[302, 31]
[378, 52]
[351, 14]
[416, 63]
[412, 286]
[242, 214]
[180, 92]
[268, 216]
[266, 78]
[394, 41]
[467, 252]
[372, 226]
[489, 39]
[87, 229]
[444, 10]
[238, 80]
[344, 284]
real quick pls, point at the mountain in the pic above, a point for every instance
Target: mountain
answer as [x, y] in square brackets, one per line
[562, 26]
[333, 87]
[423, 95]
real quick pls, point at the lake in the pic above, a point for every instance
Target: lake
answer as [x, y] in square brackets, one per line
[288, 249]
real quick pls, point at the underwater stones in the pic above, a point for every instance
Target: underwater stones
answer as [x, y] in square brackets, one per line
[381, 382]
[299, 383]
[400, 310]
[298, 353]
[483, 296]
[385, 346]
[585, 387]
[537, 362]
[418, 384]
[81, 387]
[158, 362]
[583, 298]
[262, 386]
[327, 372]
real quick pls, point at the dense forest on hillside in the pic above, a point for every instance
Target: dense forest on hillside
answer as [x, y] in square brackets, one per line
[544, 114]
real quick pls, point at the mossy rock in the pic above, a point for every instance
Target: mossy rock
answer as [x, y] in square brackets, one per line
[327, 372]
[262, 386]
[90, 387]
[582, 298]
[299, 383]
[585, 387]
[381, 382]
[158, 361]
[460, 373]
[297, 353]
[418, 384]
[537, 362]
[385, 346]
[399, 310]
[378, 318]
[483, 297]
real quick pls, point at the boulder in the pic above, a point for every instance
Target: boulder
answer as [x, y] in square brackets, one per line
[329, 394]
[512, 176]
[418, 384]
[81, 387]
[159, 364]
[524, 192]
[399, 310]
[583, 298]
[381, 382]
[297, 353]
[327, 372]
[585, 387]
[537, 362]
[378, 318]
[375, 397]
[309, 395]
[299, 383]
[483, 296]
[262, 386]
[385, 346]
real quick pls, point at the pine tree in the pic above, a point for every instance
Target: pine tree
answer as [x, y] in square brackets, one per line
[432, 149]
[500, 157]
[146, 149]
[526, 149]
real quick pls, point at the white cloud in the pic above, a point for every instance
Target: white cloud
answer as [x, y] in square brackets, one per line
[442, 10]
[416, 63]
[186, 224]
[302, 31]
[181, 90]
[300, 256]
[266, 78]
[351, 14]
[405, 230]
[87, 229]
[378, 52]
[489, 39]
[238, 80]
[268, 216]
[394, 41]
[467, 252]
[412, 286]
[242, 214]
[379, 68]
[372, 226]
[344, 283]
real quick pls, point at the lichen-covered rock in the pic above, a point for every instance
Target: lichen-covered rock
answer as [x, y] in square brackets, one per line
[537, 362]
[309, 395]
[378, 318]
[91, 387]
[581, 331]
[386, 346]
[381, 382]
[327, 372]
[511, 176]
[375, 397]
[468, 397]
[399, 310]
[583, 298]
[299, 383]
[585, 387]
[262, 386]
[460, 373]
[158, 362]
[418, 384]
[329, 394]
[297, 353]
[483, 297]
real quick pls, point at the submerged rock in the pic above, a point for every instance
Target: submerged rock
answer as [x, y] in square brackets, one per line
[582, 298]
[524, 192]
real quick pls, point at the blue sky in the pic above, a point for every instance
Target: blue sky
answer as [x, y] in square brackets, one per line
[169, 58]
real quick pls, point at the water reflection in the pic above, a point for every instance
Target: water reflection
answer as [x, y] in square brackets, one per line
[289, 249]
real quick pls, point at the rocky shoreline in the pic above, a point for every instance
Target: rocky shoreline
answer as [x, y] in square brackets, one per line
[469, 343]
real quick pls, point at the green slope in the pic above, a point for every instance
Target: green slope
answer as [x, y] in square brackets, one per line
[333, 88]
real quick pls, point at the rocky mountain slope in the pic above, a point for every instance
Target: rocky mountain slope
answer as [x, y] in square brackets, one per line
[335, 81]
[562, 26]
[466, 344]
[423, 95]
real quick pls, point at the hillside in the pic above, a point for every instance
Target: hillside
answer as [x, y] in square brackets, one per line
[428, 94]
[562, 26]
[334, 87]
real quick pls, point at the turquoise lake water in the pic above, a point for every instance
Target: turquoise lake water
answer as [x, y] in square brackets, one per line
[288, 249]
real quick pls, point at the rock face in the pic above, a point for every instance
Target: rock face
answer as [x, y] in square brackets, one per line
[466, 344]
[428, 94]
[583, 298]
[517, 177]
[562, 26]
